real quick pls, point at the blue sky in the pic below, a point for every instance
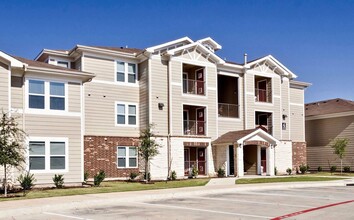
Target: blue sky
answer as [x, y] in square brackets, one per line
[314, 39]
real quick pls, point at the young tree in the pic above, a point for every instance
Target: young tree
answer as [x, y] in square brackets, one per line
[148, 148]
[339, 145]
[12, 148]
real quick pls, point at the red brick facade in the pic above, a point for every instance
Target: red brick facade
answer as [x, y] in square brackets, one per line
[100, 153]
[299, 154]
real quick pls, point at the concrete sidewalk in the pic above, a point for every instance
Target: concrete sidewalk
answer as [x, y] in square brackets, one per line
[35, 206]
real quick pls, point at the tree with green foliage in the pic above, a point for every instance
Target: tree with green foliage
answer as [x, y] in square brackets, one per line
[148, 149]
[12, 146]
[339, 146]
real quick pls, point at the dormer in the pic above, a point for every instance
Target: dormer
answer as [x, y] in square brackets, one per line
[210, 44]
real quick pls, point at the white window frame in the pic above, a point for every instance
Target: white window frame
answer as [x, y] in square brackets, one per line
[126, 107]
[47, 154]
[63, 61]
[47, 96]
[126, 72]
[127, 157]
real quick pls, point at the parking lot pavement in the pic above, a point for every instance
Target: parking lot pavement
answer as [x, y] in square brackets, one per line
[298, 203]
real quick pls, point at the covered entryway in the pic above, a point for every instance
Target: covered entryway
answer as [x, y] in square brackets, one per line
[254, 152]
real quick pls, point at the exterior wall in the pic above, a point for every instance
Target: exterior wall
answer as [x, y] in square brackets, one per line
[220, 157]
[158, 164]
[297, 115]
[283, 156]
[299, 154]
[285, 108]
[144, 94]
[58, 126]
[4, 87]
[74, 90]
[17, 92]
[320, 132]
[100, 153]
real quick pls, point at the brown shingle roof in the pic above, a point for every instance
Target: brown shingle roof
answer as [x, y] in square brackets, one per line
[120, 49]
[233, 136]
[328, 107]
[34, 63]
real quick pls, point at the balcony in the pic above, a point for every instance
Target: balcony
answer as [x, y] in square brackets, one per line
[189, 165]
[268, 129]
[262, 95]
[195, 87]
[228, 110]
[191, 127]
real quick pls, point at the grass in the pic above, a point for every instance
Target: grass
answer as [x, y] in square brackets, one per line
[108, 187]
[330, 174]
[305, 178]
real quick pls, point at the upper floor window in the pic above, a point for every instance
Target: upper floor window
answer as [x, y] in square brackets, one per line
[126, 114]
[47, 154]
[126, 72]
[63, 64]
[46, 95]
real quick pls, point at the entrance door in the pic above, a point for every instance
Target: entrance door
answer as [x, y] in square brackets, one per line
[231, 161]
[200, 81]
[200, 121]
[201, 161]
[264, 160]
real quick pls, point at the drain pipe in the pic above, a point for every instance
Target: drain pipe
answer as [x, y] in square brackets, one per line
[169, 159]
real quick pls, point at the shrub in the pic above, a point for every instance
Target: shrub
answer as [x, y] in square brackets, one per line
[98, 178]
[221, 172]
[307, 167]
[319, 169]
[333, 169]
[303, 168]
[133, 175]
[26, 181]
[275, 171]
[86, 176]
[346, 169]
[58, 180]
[195, 172]
[173, 175]
[289, 171]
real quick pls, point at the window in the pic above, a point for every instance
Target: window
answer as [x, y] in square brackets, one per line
[126, 72]
[36, 94]
[126, 114]
[46, 95]
[127, 157]
[63, 64]
[47, 155]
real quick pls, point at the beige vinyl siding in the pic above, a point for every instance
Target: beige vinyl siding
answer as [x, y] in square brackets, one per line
[318, 135]
[4, 87]
[285, 108]
[159, 86]
[100, 118]
[297, 123]
[103, 68]
[58, 126]
[296, 96]
[17, 92]
[74, 97]
[144, 94]
[78, 64]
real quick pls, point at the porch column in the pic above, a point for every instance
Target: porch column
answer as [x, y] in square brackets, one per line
[270, 160]
[240, 160]
[259, 164]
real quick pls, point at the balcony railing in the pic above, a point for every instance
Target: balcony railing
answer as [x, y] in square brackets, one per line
[195, 87]
[268, 129]
[191, 127]
[228, 110]
[262, 95]
[188, 167]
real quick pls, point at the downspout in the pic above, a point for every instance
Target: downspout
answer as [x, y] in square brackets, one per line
[169, 160]
[244, 93]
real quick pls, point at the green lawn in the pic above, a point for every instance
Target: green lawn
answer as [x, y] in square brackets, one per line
[107, 187]
[305, 178]
[336, 174]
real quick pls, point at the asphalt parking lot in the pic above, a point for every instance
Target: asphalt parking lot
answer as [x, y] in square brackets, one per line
[297, 203]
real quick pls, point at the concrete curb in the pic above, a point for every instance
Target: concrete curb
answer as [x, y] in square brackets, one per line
[35, 206]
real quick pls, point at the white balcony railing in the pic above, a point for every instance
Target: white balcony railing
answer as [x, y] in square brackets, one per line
[195, 87]
[262, 95]
[228, 110]
[191, 127]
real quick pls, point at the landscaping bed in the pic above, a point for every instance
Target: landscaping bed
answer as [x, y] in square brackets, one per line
[299, 178]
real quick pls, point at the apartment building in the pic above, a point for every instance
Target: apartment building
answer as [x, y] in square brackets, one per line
[207, 112]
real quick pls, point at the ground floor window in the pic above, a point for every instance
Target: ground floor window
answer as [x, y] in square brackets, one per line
[47, 154]
[127, 157]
